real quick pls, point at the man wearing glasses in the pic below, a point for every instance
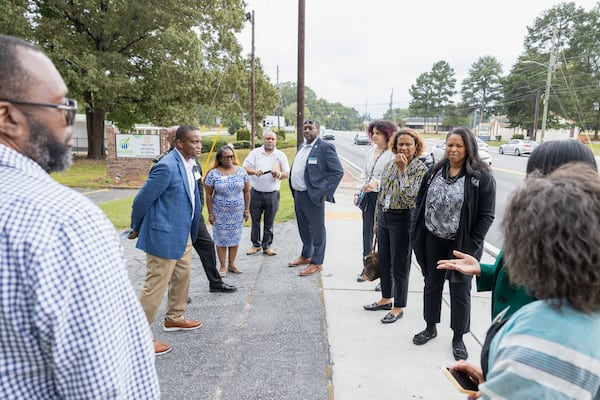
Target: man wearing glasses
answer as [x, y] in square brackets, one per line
[70, 323]
[314, 177]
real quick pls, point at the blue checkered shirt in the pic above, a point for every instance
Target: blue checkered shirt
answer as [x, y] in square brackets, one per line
[71, 326]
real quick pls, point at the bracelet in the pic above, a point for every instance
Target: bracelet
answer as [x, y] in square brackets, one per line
[246, 211]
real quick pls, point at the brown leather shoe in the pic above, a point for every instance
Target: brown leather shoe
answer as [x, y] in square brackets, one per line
[161, 348]
[183, 325]
[299, 261]
[311, 269]
[269, 252]
[253, 250]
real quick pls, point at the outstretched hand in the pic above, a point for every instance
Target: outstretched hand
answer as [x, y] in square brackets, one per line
[462, 263]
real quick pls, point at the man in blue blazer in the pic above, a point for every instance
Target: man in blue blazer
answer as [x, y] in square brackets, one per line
[165, 217]
[314, 177]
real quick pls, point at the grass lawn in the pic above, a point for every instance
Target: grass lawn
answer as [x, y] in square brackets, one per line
[91, 174]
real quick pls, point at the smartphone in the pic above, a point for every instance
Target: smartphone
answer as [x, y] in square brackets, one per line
[461, 380]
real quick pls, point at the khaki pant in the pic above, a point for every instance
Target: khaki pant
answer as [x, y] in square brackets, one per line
[163, 272]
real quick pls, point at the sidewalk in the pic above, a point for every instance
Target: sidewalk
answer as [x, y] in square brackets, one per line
[281, 336]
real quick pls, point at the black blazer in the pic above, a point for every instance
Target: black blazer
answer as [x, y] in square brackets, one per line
[476, 217]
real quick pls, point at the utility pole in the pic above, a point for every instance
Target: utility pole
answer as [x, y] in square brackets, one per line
[300, 83]
[253, 90]
[278, 104]
[392, 106]
[536, 114]
[548, 83]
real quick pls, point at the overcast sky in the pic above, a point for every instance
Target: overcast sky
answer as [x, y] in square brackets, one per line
[358, 51]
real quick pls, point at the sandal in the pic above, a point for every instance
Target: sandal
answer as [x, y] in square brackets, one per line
[234, 270]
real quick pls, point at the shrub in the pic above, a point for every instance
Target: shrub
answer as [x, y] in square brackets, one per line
[280, 133]
[518, 136]
[243, 134]
[207, 144]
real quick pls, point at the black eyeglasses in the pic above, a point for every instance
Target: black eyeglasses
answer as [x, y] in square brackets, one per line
[70, 107]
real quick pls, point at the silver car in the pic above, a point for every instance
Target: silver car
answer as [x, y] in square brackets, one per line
[438, 151]
[517, 147]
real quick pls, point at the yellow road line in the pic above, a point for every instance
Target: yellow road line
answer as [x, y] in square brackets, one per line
[510, 171]
[344, 215]
[94, 191]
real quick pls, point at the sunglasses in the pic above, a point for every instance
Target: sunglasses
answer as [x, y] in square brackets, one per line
[70, 107]
[309, 121]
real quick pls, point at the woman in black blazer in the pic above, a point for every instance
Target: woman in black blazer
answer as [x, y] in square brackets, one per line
[455, 209]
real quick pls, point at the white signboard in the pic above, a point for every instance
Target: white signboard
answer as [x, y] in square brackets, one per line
[137, 146]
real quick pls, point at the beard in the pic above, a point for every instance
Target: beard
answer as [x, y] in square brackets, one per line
[45, 149]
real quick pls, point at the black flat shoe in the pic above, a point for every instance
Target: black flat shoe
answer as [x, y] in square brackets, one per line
[223, 288]
[390, 317]
[377, 307]
[459, 351]
[360, 278]
[424, 337]
[378, 287]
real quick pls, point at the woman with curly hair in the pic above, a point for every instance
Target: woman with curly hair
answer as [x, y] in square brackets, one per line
[549, 348]
[400, 183]
[380, 133]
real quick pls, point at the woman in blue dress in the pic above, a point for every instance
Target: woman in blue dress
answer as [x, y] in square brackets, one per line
[227, 200]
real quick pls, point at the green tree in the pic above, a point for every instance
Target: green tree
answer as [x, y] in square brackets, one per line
[443, 83]
[522, 90]
[482, 89]
[421, 92]
[149, 60]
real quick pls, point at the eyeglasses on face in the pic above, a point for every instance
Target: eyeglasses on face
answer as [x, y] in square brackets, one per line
[70, 107]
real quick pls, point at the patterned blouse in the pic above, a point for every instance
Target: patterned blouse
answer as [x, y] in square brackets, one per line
[399, 190]
[445, 198]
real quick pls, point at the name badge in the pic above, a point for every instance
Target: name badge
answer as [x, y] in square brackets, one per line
[197, 175]
[312, 160]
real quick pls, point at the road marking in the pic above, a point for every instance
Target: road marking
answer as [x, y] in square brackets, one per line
[510, 171]
[353, 216]
[94, 191]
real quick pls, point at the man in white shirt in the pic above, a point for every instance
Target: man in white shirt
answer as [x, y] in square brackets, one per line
[266, 166]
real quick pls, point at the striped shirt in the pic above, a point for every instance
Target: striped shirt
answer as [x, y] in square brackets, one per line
[545, 353]
[71, 325]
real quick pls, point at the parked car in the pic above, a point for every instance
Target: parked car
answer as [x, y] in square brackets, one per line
[427, 159]
[327, 134]
[438, 151]
[362, 138]
[482, 145]
[517, 147]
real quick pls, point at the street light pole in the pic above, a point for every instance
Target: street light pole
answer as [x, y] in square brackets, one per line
[548, 82]
[300, 84]
[253, 90]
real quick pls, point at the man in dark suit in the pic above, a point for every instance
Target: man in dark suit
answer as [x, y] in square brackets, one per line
[165, 216]
[204, 245]
[314, 177]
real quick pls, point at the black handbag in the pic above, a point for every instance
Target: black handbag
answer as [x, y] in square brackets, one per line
[362, 201]
[370, 268]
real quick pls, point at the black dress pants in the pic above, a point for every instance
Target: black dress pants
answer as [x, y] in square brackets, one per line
[394, 254]
[205, 247]
[460, 292]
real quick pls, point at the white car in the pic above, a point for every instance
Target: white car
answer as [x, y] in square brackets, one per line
[438, 151]
[482, 145]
